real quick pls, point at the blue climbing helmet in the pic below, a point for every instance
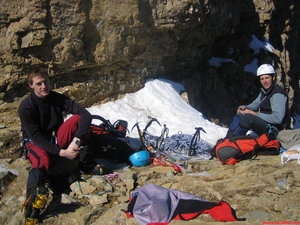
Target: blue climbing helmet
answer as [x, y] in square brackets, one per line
[141, 158]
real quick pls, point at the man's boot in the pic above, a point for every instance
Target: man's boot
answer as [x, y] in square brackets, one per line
[235, 129]
[34, 205]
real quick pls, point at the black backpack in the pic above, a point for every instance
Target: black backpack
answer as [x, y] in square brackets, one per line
[106, 140]
[117, 129]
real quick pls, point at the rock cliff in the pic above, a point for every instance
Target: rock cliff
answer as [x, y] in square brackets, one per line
[97, 50]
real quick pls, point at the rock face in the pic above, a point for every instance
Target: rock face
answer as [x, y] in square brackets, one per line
[97, 50]
[108, 47]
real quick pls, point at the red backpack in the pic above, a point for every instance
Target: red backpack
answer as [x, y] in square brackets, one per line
[233, 150]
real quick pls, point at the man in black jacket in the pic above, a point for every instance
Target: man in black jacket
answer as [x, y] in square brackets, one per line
[52, 144]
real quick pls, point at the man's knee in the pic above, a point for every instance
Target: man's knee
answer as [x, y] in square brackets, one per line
[253, 122]
[38, 158]
[247, 120]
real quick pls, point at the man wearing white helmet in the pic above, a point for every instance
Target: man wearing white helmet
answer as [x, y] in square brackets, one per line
[269, 108]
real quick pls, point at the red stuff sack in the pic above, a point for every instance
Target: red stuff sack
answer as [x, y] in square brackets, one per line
[233, 150]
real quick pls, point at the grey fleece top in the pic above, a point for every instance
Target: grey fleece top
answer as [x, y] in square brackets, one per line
[277, 101]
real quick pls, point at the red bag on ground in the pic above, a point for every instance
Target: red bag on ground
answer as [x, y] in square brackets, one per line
[155, 205]
[233, 150]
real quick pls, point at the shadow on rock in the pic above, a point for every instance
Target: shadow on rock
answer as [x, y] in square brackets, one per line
[56, 207]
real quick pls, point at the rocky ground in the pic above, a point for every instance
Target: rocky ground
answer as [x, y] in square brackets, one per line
[259, 190]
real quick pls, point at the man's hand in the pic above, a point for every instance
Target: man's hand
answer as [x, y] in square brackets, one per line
[241, 109]
[250, 112]
[71, 152]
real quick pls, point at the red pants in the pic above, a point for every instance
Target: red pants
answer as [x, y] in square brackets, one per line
[42, 161]
[39, 158]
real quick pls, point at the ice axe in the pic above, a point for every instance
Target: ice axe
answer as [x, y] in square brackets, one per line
[149, 124]
[141, 134]
[195, 139]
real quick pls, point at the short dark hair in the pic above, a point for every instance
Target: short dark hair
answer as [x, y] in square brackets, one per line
[37, 71]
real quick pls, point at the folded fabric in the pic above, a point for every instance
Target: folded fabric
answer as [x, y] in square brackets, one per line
[293, 153]
[155, 205]
[289, 138]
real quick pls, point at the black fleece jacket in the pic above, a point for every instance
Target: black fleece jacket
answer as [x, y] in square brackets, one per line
[40, 117]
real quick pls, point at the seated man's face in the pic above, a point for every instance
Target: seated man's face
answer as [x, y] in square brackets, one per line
[266, 81]
[41, 86]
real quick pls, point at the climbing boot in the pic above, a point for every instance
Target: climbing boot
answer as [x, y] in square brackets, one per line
[34, 205]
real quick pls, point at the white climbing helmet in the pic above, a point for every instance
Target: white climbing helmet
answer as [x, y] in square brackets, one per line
[265, 69]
